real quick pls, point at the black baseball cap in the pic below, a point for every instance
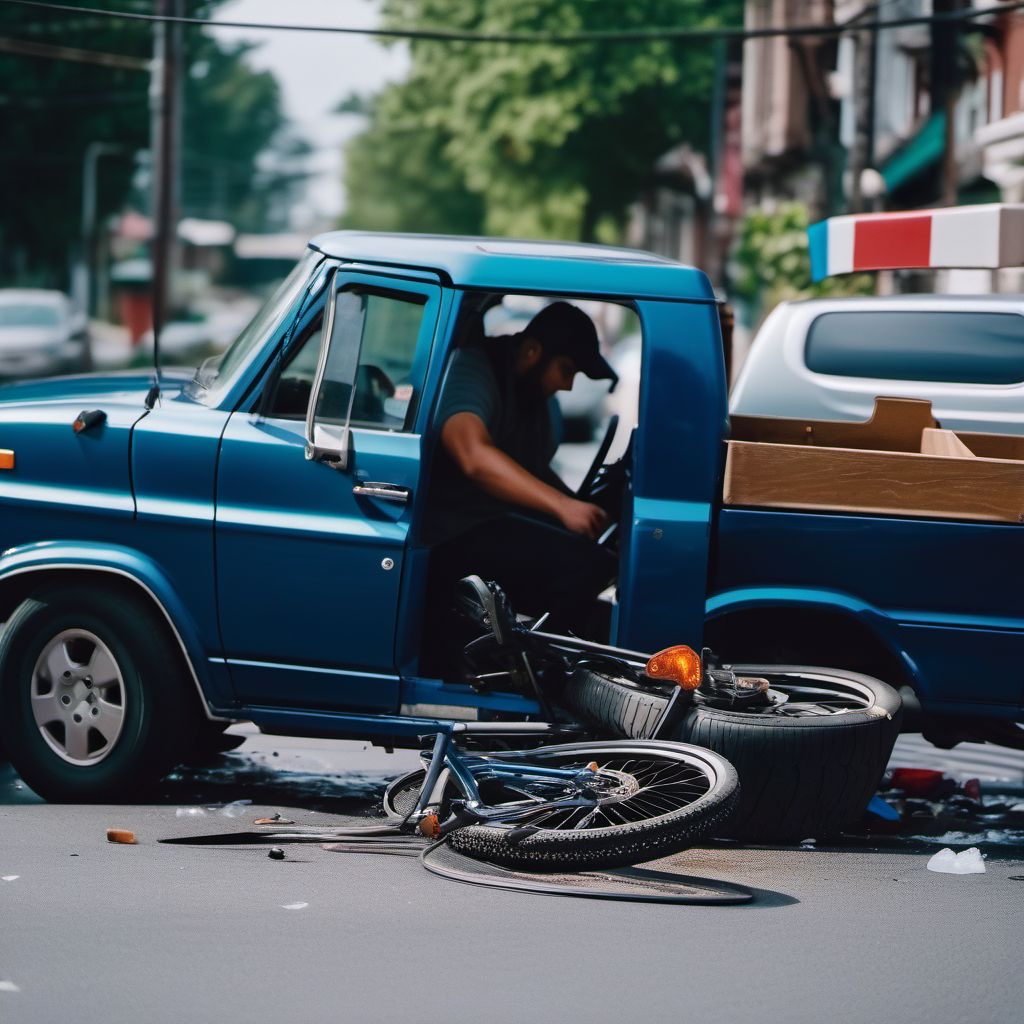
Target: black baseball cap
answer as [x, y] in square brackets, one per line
[565, 330]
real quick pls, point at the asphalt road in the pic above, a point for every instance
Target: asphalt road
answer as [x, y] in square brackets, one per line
[95, 932]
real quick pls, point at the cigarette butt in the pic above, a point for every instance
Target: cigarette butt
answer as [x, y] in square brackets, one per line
[120, 835]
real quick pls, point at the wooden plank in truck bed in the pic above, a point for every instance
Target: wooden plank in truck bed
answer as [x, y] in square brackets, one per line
[762, 475]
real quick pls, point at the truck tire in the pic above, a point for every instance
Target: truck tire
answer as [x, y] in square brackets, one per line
[92, 703]
[804, 774]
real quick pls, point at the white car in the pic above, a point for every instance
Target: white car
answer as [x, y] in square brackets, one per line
[830, 359]
[41, 333]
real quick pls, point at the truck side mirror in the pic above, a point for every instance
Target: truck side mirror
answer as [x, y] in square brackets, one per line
[328, 417]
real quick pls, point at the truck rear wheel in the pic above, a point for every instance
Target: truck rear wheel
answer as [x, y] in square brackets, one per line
[93, 706]
[806, 769]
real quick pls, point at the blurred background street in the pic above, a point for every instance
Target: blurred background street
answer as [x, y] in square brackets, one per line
[704, 144]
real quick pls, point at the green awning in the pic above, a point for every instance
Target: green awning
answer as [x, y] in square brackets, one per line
[920, 153]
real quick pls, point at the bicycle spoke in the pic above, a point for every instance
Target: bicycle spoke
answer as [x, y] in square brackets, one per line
[586, 819]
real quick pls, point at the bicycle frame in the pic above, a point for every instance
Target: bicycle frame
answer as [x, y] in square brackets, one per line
[448, 763]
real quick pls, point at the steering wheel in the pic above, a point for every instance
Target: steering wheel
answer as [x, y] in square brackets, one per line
[583, 492]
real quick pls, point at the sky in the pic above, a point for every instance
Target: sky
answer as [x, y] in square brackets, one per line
[316, 71]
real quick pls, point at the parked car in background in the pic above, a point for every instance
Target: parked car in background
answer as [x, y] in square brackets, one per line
[41, 333]
[830, 359]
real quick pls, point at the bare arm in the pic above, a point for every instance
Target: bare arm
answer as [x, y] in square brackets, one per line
[468, 442]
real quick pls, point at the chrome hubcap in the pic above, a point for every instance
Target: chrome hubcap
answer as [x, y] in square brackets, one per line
[78, 697]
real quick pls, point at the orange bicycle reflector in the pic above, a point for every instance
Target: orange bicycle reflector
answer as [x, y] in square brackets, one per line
[430, 826]
[679, 664]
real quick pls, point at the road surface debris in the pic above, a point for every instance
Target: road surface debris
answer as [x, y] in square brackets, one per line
[966, 862]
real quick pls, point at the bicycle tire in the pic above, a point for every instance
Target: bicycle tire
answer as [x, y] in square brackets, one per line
[666, 822]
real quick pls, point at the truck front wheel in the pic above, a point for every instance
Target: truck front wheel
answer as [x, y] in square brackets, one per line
[92, 705]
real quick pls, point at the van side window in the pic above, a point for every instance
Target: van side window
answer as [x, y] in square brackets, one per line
[928, 345]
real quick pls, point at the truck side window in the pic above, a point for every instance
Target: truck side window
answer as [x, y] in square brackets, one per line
[384, 387]
[293, 387]
[384, 393]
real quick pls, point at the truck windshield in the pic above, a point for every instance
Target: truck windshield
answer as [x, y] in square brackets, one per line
[217, 372]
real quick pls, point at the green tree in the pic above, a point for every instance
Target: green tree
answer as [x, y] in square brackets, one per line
[231, 116]
[398, 176]
[555, 140]
[772, 261]
[52, 109]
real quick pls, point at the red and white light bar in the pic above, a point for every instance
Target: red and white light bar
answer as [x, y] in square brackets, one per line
[987, 236]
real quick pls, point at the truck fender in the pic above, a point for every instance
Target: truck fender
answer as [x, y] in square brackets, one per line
[873, 619]
[27, 561]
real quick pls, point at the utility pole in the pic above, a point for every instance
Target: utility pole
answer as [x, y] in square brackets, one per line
[945, 78]
[715, 143]
[83, 282]
[864, 112]
[165, 142]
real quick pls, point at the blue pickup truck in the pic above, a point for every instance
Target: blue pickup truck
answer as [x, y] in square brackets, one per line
[243, 541]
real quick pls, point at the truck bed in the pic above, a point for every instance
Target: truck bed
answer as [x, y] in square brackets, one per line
[899, 462]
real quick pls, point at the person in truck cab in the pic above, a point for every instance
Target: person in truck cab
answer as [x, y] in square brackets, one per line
[496, 507]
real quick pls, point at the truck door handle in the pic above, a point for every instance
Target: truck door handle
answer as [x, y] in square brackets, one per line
[384, 492]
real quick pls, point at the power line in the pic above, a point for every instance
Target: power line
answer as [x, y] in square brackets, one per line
[673, 33]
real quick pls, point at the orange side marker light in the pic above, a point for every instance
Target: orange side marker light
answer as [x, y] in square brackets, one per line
[6, 458]
[681, 665]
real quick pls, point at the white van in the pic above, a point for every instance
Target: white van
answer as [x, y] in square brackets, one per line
[830, 359]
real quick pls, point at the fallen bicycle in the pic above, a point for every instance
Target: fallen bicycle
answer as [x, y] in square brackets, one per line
[618, 786]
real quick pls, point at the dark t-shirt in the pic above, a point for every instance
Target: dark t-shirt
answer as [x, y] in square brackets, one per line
[481, 380]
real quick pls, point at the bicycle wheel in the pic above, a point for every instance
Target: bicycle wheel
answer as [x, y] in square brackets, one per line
[652, 799]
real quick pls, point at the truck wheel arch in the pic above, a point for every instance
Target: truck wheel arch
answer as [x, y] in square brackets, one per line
[808, 634]
[17, 582]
